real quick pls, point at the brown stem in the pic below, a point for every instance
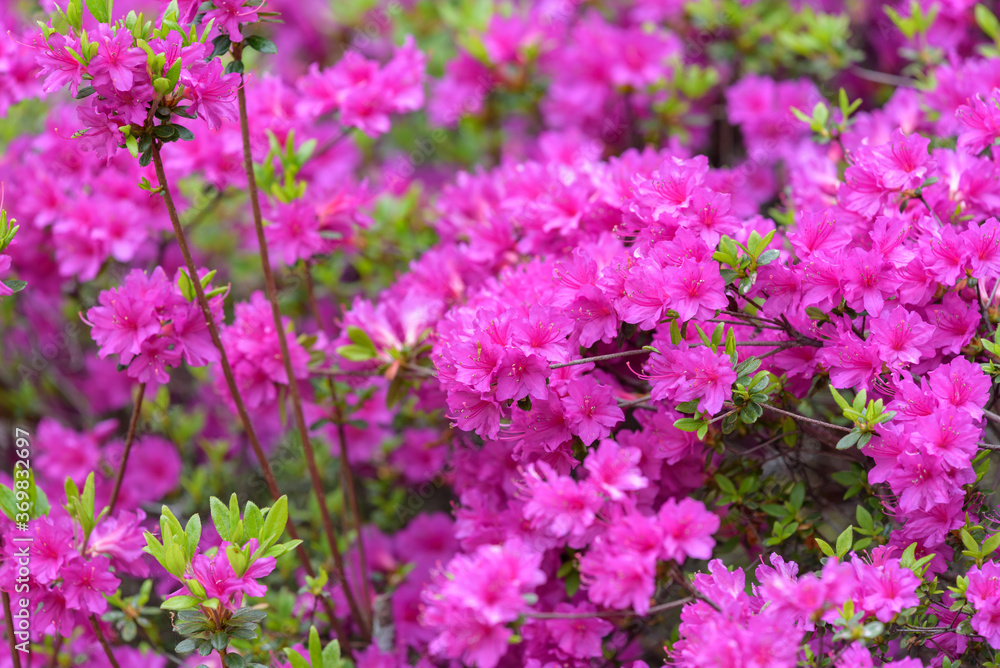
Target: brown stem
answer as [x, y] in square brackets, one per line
[347, 476]
[796, 416]
[608, 613]
[601, 358]
[227, 372]
[350, 495]
[56, 648]
[104, 641]
[133, 423]
[9, 619]
[293, 386]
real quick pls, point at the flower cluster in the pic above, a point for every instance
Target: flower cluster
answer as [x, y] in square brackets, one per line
[362, 93]
[152, 326]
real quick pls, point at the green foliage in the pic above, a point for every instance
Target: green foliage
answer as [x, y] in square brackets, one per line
[318, 656]
[866, 417]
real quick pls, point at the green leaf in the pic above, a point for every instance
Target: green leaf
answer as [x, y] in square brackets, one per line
[990, 545]
[864, 518]
[315, 649]
[192, 533]
[260, 43]
[180, 603]
[220, 517]
[356, 353]
[725, 484]
[331, 655]
[274, 523]
[100, 10]
[689, 424]
[970, 543]
[186, 646]
[166, 132]
[844, 542]
[774, 510]
[751, 412]
[183, 133]
[296, 659]
[798, 496]
[841, 401]
[767, 257]
[220, 641]
[234, 660]
[8, 501]
[235, 66]
[253, 520]
[220, 46]
[825, 547]
[988, 22]
[849, 440]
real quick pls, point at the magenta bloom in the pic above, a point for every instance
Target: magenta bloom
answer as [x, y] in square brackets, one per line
[681, 374]
[591, 410]
[579, 638]
[888, 589]
[52, 548]
[980, 119]
[117, 61]
[615, 469]
[85, 582]
[687, 530]
[559, 506]
[229, 14]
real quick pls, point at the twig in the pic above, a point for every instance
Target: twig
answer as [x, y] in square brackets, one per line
[883, 77]
[991, 416]
[601, 358]
[9, 619]
[293, 386]
[801, 418]
[133, 423]
[609, 613]
[227, 372]
[104, 641]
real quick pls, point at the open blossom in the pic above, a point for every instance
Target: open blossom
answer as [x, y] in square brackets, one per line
[614, 469]
[980, 120]
[150, 326]
[558, 505]
[984, 594]
[480, 593]
[687, 530]
[681, 374]
[364, 93]
[228, 15]
[85, 582]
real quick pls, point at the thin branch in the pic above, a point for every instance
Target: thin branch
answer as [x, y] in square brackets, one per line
[635, 402]
[883, 77]
[104, 641]
[9, 620]
[227, 372]
[609, 613]
[601, 358]
[293, 386]
[796, 416]
[133, 423]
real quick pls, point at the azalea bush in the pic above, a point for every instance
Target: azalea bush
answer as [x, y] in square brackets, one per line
[474, 333]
